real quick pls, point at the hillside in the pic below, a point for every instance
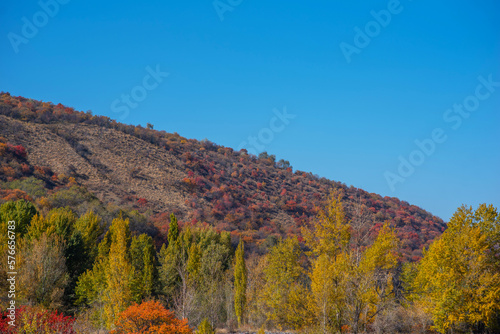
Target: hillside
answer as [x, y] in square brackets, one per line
[157, 173]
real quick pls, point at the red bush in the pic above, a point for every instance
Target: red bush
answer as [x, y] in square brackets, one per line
[18, 150]
[28, 318]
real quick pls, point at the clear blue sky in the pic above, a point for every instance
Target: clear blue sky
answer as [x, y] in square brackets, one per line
[353, 119]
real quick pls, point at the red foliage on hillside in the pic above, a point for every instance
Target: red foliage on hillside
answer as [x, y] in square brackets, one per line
[249, 196]
[15, 166]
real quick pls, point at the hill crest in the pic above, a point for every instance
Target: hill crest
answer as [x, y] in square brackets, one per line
[157, 173]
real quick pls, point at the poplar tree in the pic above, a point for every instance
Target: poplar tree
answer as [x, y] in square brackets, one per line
[20, 211]
[173, 230]
[108, 287]
[119, 272]
[142, 254]
[240, 282]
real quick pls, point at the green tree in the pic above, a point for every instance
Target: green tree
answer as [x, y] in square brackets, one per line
[192, 272]
[210, 294]
[193, 265]
[19, 211]
[143, 259]
[240, 282]
[284, 294]
[31, 185]
[119, 273]
[173, 230]
[90, 229]
[62, 222]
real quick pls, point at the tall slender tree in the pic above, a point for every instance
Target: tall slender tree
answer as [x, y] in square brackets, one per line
[240, 282]
[142, 256]
[109, 286]
[173, 230]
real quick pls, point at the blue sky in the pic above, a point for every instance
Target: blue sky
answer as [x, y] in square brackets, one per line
[231, 64]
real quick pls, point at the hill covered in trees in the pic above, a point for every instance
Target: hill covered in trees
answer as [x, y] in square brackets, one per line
[121, 229]
[47, 146]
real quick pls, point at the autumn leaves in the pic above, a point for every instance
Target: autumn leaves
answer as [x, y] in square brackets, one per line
[338, 277]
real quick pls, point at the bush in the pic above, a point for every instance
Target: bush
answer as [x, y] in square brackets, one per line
[205, 328]
[32, 186]
[150, 317]
[37, 320]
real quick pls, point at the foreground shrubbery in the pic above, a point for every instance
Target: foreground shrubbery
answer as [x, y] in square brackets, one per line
[149, 318]
[36, 320]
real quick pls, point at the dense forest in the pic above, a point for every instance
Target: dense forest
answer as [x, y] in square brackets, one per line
[252, 245]
[78, 276]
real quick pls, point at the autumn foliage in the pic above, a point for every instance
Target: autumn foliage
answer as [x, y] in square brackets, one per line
[353, 262]
[251, 196]
[31, 319]
[150, 317]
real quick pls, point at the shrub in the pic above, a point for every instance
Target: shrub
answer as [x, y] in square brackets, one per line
[150, 317]
[205, 328]
[32, 186]
[37, 320]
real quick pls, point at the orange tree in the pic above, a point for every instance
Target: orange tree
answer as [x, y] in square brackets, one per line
[150, 317]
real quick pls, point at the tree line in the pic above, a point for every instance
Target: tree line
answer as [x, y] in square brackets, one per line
[336, 277]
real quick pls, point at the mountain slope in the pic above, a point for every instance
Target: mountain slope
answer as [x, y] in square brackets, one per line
[159, 173]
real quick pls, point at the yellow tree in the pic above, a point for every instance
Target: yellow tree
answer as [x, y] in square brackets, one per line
[325, 287]
[458, 279]
[373, 286]
[350, 282]
[108, 287]
[119, 273]
[43, 277]
[328, 238]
